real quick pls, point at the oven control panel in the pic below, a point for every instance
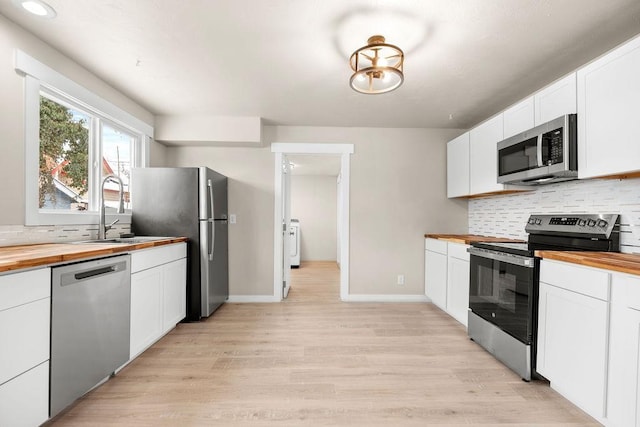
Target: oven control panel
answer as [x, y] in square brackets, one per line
[596, 225]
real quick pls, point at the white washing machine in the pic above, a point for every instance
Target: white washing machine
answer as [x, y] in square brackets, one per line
[294, 244]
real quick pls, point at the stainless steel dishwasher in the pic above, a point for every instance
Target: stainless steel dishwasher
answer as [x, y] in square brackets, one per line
[90, 321]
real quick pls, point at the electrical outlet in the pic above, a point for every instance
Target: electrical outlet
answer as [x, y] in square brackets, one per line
[400, 279]
[232, 218]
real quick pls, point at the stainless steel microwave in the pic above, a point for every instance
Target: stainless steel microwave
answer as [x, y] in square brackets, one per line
[542, 155]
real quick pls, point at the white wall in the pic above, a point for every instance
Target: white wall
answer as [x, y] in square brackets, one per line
[398, 193]
[251, 195]
[506, 216]
[314, 204]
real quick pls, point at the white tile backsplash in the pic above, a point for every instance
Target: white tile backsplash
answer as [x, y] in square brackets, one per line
[506, 216]
[21, 235]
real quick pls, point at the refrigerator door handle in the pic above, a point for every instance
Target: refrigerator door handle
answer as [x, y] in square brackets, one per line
[212, 238]
[212, 235]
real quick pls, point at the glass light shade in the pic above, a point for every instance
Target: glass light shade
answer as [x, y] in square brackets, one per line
[377, 67]
[36, 7]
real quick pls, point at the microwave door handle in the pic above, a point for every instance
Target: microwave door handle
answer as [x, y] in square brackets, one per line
[539, 150]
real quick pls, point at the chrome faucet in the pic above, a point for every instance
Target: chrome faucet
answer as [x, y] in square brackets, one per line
[102, 227]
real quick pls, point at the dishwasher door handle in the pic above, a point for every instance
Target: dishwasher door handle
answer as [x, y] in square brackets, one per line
[96, 272]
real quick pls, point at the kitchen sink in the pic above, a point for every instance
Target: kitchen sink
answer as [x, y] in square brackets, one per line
[123, 240]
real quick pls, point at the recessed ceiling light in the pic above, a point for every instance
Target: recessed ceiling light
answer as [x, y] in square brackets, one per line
[36, 7]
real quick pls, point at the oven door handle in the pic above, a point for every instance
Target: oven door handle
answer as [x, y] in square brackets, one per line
[518, 260]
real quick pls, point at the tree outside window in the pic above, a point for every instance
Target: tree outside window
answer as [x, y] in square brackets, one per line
[68, 146]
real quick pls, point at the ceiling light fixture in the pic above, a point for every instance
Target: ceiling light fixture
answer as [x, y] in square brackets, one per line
[377, 67]
[36, 7]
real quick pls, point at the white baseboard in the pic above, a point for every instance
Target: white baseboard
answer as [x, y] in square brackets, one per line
[252, 298]
[385, 298]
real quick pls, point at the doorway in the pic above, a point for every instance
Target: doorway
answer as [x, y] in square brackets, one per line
[282, 204]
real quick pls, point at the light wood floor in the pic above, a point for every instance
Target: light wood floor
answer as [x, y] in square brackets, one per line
[315, 361]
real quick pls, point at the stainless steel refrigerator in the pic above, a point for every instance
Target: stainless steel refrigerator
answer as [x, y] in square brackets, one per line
[189, 202]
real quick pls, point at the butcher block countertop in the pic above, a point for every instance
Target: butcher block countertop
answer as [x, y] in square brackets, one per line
[623, 263]
[29, 256]
[467, 239]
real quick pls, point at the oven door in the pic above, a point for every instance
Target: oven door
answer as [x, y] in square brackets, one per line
[503, 291]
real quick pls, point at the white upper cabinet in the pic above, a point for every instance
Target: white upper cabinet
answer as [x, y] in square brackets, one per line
[556, 100]
[458, 166]
[483, 141]
[519, 117]
[608, 106]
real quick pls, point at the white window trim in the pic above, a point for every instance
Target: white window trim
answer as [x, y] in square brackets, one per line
[36, 75]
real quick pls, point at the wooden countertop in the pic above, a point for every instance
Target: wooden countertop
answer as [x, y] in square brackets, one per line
[29, 256]
[623, 263]
[467, 239]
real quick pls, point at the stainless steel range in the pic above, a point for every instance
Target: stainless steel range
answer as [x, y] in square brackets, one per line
[503, 288]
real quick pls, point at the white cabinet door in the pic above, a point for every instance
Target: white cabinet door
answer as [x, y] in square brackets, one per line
[608, 105]
[483, 141]
[158, 293]
[556, 100]
[24, 338]
[572, 346]
[518, 118]
[458, 282]
[175, 293]
[435, 274]
[24, 401]
[25, 307]
[623, 397]
[458, 166]
[146, 309]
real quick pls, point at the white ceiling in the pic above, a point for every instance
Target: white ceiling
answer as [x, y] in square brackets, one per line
[287, 60]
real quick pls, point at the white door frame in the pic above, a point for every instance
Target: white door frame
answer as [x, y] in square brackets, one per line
[282, 149]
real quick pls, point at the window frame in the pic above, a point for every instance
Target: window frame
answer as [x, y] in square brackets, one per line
[39, 77]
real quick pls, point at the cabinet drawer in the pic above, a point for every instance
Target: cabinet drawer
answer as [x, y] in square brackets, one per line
[24, 334]
[588, 281]
[435, 245]
[148, 258]
[24, 401]
[458, 250]
[23, 287]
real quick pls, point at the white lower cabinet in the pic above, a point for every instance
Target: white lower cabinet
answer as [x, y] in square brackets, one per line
[589, 339]
[158, 293]
[435, 272]
[25, 301]
[623, 400]
[572, 346]
[446, 277]
[458, 282]
[24, 401]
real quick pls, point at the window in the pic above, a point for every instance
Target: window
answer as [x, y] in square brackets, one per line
[74, 139]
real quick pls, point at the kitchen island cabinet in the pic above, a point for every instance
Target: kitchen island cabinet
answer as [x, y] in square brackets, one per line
[608, 105]
[158, 293]
[25, 301]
